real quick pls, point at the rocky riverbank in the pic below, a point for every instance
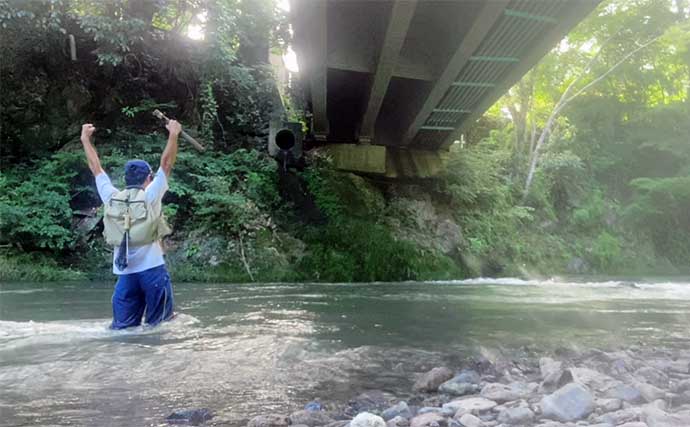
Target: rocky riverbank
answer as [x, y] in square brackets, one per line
[637, 387]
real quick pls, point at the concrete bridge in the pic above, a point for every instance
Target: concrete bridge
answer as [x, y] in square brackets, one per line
[393, 83]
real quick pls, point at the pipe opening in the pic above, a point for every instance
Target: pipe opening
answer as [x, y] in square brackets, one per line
[285, 139]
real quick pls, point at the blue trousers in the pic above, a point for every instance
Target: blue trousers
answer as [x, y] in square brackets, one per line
[149, 290]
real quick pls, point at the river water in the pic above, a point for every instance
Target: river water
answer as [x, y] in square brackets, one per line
[244, 350]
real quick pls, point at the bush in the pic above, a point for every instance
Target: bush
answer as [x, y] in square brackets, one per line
[35, 204]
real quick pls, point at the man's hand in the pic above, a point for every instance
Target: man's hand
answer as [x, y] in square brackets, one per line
[86, 131]
[173, 127]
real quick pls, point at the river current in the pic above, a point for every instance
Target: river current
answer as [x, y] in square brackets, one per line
[244, 350]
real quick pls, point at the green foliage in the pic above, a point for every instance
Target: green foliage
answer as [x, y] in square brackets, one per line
[230, 193]
[606, 251]
[357, 250]
[591, 214]
[146, 106]
[35, 206]
[209, 111]
[20, 267]
[659, 209]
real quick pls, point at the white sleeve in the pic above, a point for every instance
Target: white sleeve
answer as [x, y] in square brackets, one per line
[157, 188]
[105, 187]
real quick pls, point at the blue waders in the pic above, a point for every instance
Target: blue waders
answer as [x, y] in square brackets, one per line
[149, 290]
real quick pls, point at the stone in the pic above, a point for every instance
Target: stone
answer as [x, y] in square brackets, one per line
[371, 401]
[469, 420]
[429, 409]
[519, 415]
[681, 386]
[431, 380]
[192, 417]
[457, 387]
[655, 417]
[649, 392]
[621, 416]
[679, 366]
[310, 418]
[398, 422]
[399, 410]
[556, 380]
[625, 393]
[608, 405]
[593, 379]
[620, 367]
[547, 366]
[652, 376]
[366, 419]
[499, 392]
[471, 405]
[314, 405]
[571, 402]
[271, 420]
[468, 376]
[435, 400]
[429, 419]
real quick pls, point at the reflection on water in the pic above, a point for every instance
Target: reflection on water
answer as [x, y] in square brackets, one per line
[242, 350]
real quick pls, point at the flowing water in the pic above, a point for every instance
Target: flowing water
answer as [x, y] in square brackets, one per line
[243, 350]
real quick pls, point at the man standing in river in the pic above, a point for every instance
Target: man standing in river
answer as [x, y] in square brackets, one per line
[133, 225]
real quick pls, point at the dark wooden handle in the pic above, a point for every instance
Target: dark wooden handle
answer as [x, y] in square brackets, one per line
[184, 134]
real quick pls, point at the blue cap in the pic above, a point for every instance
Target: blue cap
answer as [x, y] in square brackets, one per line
[136, 172]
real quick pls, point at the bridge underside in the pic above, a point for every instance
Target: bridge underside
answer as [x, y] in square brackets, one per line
[412, 74]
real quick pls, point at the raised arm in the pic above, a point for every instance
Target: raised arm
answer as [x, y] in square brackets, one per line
[170, 153]
[91, 155]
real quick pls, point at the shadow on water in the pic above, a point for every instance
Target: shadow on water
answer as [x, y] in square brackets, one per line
[242, 350]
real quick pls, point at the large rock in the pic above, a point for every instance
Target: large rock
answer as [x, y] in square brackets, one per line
[401, 409]
[626, 393]
[571, 402]
[655, 417]
[271, 420]
[398, 422]
[459, 386]
[649, 392]
[505, 393]
[471, 405]
[433, 379]
[608, 405]
[365, 419]
[516, 416]
[430, 419]
[310, 418]
[547, 366]
[469, 420]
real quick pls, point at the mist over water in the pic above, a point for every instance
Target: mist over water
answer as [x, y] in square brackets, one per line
[244, 350]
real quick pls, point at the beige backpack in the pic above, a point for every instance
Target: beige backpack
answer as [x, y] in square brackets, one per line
[128, 210]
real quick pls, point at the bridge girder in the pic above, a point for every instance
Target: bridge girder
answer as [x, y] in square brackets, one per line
[414, 74]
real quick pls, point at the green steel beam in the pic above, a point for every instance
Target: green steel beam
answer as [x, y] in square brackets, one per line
[444, 128]
[473, 84]
[524, 15]
[450, 110]
[495, 58]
